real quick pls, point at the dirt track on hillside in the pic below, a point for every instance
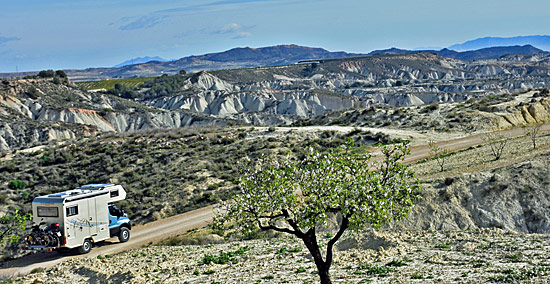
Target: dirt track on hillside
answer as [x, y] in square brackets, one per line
[165, 228]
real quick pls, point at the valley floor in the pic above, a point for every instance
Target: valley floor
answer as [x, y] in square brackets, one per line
[480, 256]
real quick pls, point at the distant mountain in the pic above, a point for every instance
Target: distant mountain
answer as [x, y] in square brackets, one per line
[242, 57]
[246, 57]
[393, 50]
[280, 53]
[139, 60]
[484, 53]
[538, 41]
[489, 53]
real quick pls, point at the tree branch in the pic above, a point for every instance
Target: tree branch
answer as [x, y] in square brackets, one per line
[4, 233]
[263, 216]
[278, 229]
[330, 244]
[293, 224]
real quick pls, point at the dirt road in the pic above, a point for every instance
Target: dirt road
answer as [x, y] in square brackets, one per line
[162, 229]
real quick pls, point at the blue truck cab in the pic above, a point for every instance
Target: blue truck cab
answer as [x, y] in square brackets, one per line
[119, 223]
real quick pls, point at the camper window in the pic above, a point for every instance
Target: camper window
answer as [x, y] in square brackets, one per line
[114, 193]
[47, 211]
[73, 210]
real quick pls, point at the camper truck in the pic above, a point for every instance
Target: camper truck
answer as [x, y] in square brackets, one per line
[77, 218]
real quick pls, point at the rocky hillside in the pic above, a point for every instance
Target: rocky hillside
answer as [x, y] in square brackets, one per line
[208, 94]
[261, 95]
[513, 198]
[44, 111]
[397, 80]
[486, 113]
[35, 111]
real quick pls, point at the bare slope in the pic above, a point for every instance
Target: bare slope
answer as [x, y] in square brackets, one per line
[36, 111]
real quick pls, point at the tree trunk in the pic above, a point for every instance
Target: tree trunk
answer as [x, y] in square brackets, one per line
[322, 268]
[323, 274]
[310, 240]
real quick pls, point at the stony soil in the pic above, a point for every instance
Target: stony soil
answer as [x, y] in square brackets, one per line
[485, 256]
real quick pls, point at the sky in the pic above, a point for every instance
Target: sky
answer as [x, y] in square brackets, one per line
[76, 34]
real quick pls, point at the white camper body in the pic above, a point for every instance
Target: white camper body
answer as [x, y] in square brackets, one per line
[82, 213]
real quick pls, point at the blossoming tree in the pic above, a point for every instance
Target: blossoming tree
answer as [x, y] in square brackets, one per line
[297, 196]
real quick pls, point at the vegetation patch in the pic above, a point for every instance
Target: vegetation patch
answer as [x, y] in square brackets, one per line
[110, 84]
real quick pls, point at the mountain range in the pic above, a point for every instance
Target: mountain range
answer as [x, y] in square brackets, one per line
[247, 57]
[242, 57]
[480, 54]
[538, 41]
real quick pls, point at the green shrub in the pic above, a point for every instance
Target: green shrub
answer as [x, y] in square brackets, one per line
[46, 74]
[417, 276]
[376, 270]
[223, 257]
[396, 263]
[16, 184]
[37, 270]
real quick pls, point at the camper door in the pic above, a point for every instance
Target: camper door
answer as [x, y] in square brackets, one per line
[77, 221]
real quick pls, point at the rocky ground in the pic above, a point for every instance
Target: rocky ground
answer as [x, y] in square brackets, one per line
[485, 256]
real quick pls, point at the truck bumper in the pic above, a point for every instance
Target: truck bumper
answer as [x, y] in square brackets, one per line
[39, 248]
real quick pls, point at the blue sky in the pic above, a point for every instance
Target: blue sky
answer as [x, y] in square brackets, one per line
[60, 34]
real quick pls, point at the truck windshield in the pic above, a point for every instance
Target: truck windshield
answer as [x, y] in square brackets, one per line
[113, 210]
[47, 211]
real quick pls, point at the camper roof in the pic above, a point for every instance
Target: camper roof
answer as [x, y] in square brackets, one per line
[84, 191]
[95, 186]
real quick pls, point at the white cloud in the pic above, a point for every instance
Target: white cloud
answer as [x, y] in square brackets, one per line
[234, 30]
[143, 22]
[228, 29]
[242, 35]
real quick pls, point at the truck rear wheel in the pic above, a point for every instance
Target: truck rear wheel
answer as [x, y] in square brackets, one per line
[124, 235]
[86, 247]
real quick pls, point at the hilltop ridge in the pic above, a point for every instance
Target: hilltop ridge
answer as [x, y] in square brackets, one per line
[539, 41]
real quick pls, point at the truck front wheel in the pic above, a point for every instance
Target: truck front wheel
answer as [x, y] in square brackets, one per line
[124, 234]
[86, 247]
